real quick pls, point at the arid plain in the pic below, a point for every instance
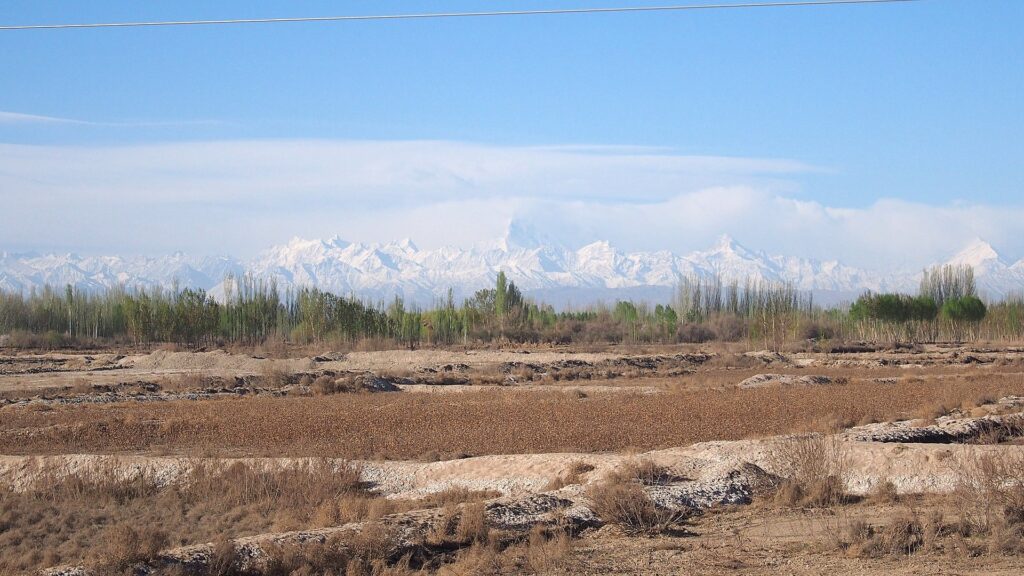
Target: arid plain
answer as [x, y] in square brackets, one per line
[609, 460]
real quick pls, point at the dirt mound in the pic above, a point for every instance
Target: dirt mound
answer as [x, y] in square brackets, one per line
[763, 380]
[767, 356]
[215, 361]
[946, 430]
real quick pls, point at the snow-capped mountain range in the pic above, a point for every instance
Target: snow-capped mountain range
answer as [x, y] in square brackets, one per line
[540, 267]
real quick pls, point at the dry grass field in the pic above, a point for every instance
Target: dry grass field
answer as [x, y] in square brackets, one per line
[397, 426]
[544, 462]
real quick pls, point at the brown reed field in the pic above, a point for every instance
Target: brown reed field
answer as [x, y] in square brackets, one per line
[410, 426]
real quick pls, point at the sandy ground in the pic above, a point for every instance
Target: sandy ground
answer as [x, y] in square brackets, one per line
[52, 370]
[912, 468]
[750, 541]
[26, 371]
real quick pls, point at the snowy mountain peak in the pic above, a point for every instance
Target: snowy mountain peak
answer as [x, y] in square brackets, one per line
[408, 245]
[596, 248]
[727, 248]
[725, 243]
[544, 269]
[978, 253]
[337, 242]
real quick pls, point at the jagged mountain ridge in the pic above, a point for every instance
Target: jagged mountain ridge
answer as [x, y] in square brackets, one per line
[538, 265]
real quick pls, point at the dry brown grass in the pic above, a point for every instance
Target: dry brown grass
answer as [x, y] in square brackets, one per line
[274, 376]
[402, 426]
[920, 526]
[123, 546]
[459, 526]
[109, 517]
[472, 524]
[984, 516]
[182, 382]
[990, 498]
[544, 550]
[114, 519]
[369, 552]
[644, 471]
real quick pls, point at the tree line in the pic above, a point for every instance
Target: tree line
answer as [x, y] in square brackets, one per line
[703, 309]
[946, 302]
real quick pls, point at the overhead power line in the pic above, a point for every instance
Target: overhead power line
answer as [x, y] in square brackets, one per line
[451, 14]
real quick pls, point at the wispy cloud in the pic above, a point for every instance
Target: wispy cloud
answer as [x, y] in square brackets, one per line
[365, 173]
[20, 118]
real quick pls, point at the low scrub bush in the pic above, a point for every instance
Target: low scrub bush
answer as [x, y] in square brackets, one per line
[626, 504]
[695, 333]
[274, 376]
[643, 470]
[902, 535]
[123, 546]
[459, 526]
[811, 470]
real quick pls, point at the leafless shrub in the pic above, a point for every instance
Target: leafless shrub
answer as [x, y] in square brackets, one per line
[930, 412]
[627, 504]
[546, 548]
[472, 523]
[884, 493]
[223, 558]
[273, 375]
[728, 328]
[124, 547]
[695, 333]
[812, 469]
[990, 493]
[460, 526]
[902, 535]
[324, 385]
[302, 559]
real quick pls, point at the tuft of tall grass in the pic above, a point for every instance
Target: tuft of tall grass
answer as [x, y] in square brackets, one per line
[812, 470]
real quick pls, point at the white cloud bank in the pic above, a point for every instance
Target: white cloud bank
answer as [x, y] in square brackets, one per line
[239, 197]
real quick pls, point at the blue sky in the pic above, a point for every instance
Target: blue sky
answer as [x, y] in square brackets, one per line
[915, 103]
